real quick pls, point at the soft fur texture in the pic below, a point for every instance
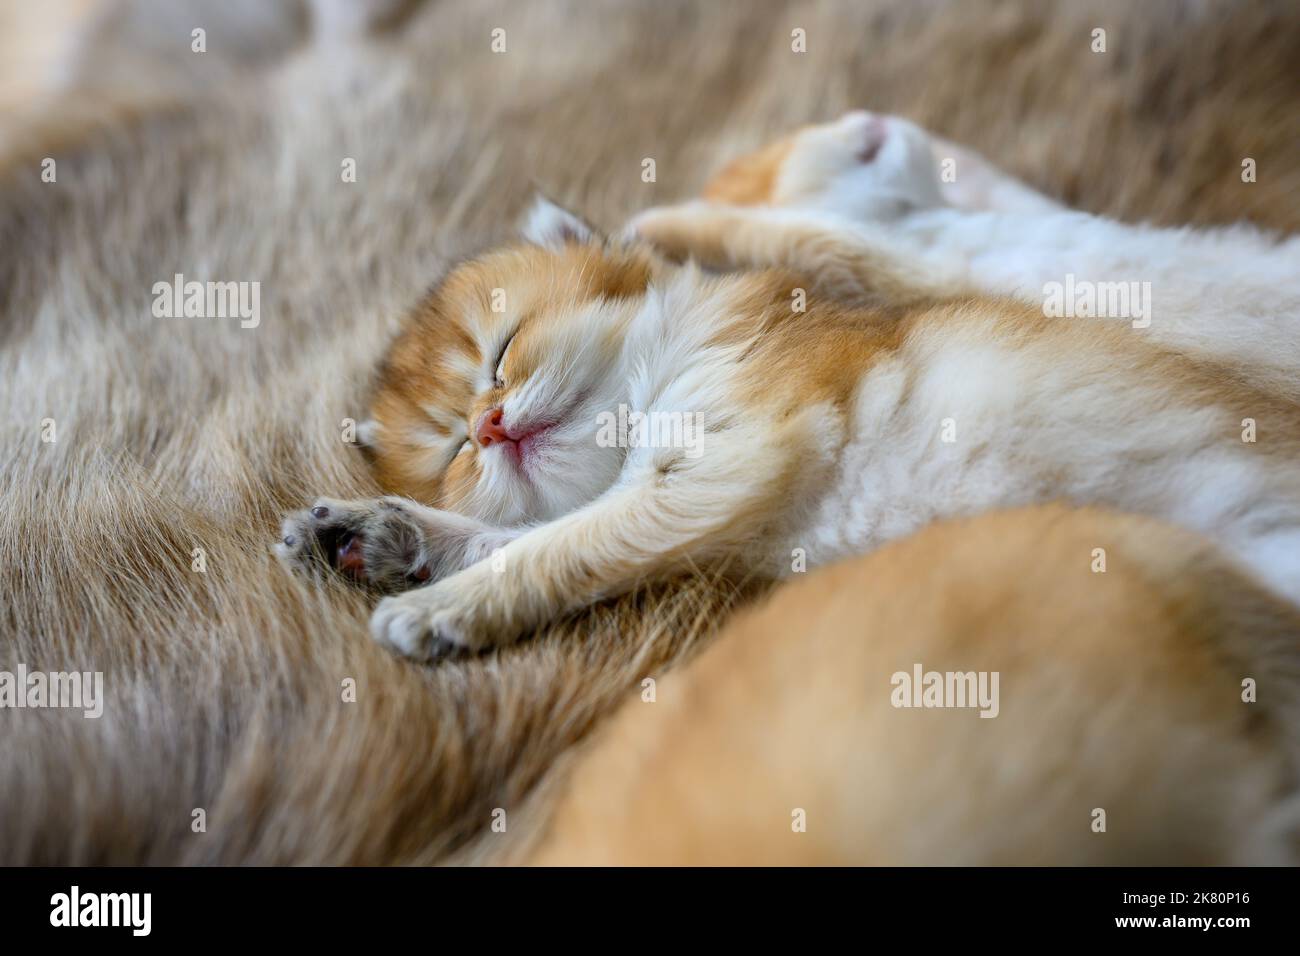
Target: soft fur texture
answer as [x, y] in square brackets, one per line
[224, 687]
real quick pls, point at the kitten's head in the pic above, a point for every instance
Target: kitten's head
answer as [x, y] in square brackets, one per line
[488, 401]
[863, 166]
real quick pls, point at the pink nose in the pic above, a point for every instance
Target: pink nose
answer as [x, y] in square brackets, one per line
[490, 428]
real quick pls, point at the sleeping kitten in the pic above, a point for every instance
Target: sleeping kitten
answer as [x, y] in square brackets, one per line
[858, 382]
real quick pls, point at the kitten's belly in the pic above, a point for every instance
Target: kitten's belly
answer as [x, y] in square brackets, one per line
[899, 473]
[888, 488]
[870, 507]
[872, 504]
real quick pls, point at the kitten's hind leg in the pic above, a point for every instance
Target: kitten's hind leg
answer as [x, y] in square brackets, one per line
[870, 167]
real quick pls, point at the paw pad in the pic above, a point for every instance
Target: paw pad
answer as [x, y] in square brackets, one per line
[369, 542]
[867, 133]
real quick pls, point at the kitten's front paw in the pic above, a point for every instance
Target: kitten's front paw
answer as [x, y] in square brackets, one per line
[431, 623]
[376, 542]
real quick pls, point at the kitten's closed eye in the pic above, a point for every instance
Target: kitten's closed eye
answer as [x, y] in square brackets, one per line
[498, 379]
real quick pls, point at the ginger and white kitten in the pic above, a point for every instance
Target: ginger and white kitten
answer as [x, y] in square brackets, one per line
[883, 361]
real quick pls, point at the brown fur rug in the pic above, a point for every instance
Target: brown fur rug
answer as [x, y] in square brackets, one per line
[225, 687]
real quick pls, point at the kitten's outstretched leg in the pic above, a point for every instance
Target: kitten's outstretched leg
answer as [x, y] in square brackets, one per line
[867, 263]
[667, 513]
[819, 204]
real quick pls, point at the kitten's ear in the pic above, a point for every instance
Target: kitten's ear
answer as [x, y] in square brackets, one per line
[549, 225]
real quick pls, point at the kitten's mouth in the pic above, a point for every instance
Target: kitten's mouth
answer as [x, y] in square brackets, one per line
[524, 450]
[527, 443]
[517, 442]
